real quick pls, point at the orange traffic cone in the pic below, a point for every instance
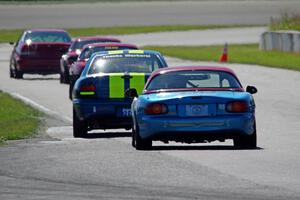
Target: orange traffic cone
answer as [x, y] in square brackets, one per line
[224, 56]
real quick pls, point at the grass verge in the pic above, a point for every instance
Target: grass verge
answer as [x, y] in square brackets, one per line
[246, 53]
[13, 35]
[286, 22]
[17, 120]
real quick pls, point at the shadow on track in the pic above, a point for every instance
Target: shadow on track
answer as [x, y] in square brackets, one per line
[202, 148]
[40, 79]
[108, 135]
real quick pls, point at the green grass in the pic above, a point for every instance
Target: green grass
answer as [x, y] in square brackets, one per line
[247, 54]
[286, 22]
[13, 35]
[17, 120]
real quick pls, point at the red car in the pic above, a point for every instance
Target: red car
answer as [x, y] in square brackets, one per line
[74, 51]
[38, 51]
[77, 67]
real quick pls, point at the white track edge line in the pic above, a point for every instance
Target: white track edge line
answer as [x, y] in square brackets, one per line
[40, 107]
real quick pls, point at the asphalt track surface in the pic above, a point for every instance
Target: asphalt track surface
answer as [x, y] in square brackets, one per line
[144, 13]
[105, 166]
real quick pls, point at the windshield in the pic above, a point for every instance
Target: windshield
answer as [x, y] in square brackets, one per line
[80, 43]
[143, 63]
[87, 52]
[193, 79]
[47, 37]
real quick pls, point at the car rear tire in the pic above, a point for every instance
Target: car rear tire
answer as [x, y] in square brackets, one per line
[133, 136]
[79, 126]
[66, 77]
[15, 73]
[11, 74]
[138, 142]
[72, 82]
[61, 78]
[246, 141]
[18, 74]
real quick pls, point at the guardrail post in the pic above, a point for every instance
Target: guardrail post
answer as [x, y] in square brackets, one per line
[296, 42]
[287, 41]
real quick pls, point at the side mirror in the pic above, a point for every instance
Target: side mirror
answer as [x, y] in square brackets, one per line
[131, 93]
[251, 89]
[11, 43]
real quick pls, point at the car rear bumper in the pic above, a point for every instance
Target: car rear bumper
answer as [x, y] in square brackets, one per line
[103, 115]
[192, 128]
[38, 66]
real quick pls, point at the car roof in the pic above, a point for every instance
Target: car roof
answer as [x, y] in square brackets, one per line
[193, 68]
[45, 30]
[126, 51]
[96, 38]
[109, 45]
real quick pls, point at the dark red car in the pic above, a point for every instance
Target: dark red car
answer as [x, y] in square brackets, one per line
[77, 67]
[38, 51]
[74, 51]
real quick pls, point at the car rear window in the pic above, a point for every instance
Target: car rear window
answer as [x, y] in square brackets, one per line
[87, 52]
[47, 37]
[193, 79]
[144, 63]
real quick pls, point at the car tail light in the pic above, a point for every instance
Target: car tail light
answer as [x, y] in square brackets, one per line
[25, 51]
[87, 90]
[237, 106]
[28, 49]
[156, 109]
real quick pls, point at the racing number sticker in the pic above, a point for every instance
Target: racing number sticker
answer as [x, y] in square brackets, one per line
[126, 112]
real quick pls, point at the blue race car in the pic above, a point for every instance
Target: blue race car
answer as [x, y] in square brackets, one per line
[193, 104]
[98, 95]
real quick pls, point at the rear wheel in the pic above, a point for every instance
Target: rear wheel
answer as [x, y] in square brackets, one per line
[246, 141]
[66, 76]
[79, 126]
[15, 73]
[72, 82]
[18, 74]
[138, 142]
[61, 78]
[11, 74]
[133, 136]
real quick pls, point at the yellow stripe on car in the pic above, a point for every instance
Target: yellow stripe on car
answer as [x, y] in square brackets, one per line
[116, 85]
[116, 52]
[137, 81]
[136, 51]
[87, 93]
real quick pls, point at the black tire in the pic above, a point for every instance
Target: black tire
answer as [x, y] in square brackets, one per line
[246, 141]
[18, 74]
[79, 126]
[61, 78]
[11, 74]
[15, 73]
[72, 82]
[138, 142]
[133, 136]
[66, 76]
[11, 69]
